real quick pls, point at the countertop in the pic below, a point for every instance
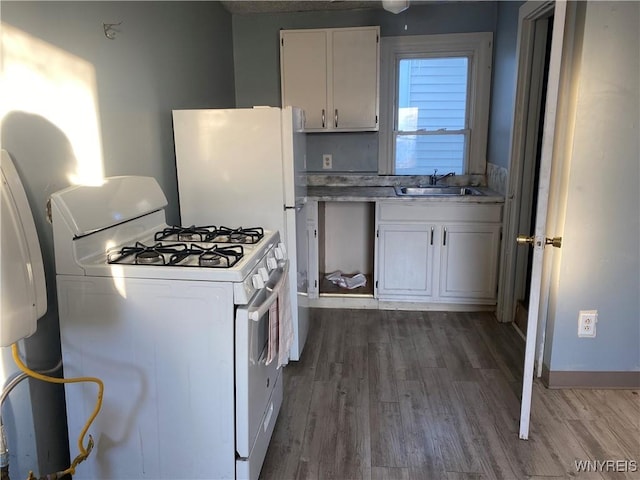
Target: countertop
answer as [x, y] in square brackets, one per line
[369, 193]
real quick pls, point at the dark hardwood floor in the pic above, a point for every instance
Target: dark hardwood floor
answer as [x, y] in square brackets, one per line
[435, 395]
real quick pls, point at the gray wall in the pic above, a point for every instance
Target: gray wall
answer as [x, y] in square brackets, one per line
[599, 264]
[167, 55]
[257, 63]
[503, 91]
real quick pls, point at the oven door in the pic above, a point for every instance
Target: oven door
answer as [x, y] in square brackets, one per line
[255, 380]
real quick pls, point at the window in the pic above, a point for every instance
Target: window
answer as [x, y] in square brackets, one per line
[435, 104]
[431, 118]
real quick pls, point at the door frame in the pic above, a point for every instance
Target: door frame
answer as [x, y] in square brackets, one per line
[529, 13]
[527, 189]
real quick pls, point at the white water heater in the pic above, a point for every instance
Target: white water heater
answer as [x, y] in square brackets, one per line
[22, 280]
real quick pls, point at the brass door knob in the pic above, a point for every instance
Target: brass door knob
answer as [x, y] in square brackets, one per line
[523, 239]
[555, 241]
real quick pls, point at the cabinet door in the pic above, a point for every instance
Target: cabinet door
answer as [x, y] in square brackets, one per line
[469, 261]
[354, 79]
[312, 245]
[303, 71]
[405, 260]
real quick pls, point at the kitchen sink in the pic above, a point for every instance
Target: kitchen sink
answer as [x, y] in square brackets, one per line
[436, 191]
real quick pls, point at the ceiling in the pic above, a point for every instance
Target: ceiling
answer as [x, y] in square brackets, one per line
[269, 6]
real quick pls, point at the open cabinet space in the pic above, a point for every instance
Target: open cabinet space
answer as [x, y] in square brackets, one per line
[346, 245]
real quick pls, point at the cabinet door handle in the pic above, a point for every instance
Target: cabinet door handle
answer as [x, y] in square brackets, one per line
[444, 237]
[335, 116]
[323, 118]
[431, 241]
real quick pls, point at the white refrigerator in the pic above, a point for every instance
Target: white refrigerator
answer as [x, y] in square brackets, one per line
[246, 167]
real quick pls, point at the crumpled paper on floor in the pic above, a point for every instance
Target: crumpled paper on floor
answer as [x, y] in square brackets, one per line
[344, 281]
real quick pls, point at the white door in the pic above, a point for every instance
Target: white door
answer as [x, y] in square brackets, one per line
[539, 281]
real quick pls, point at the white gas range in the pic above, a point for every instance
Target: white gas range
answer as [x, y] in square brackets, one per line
[176, 322]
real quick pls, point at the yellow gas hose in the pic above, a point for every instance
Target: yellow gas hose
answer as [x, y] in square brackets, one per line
[84, 452]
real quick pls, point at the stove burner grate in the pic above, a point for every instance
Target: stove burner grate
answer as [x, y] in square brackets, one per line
[218, 257]
[147, 255]
[211, 234]
[188, 234]
[178, 254]
[242, 235]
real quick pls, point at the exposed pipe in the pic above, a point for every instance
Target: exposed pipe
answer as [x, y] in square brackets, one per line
[84, 450]
[6, 390]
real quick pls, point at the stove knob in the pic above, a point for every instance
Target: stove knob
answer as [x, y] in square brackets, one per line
[278, 253]
[272, 263]
[263, 273]
[283, 249]
[257, 281]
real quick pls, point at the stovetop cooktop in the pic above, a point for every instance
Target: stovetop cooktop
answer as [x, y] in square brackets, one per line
[194, 246]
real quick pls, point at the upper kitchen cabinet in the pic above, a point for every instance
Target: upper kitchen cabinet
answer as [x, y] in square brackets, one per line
[333, 75]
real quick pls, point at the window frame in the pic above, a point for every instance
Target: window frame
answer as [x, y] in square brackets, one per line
[478, 48]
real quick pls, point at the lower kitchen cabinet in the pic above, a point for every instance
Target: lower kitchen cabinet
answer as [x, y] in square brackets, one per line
[437, 252]
[405, 260]
[469, 262]
[340, 238]
[423, 251]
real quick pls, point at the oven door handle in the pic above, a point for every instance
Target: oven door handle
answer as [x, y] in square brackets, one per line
[256, 313]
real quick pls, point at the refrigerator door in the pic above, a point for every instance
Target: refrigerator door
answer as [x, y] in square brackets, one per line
[244, 167]
[229, 166]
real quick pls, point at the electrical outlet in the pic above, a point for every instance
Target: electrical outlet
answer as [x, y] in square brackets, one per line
[327, 161]
[587, 320]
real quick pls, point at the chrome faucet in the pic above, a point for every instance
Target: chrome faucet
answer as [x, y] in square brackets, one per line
[435, 178]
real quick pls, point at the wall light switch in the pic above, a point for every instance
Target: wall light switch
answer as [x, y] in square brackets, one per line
[327, 161]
